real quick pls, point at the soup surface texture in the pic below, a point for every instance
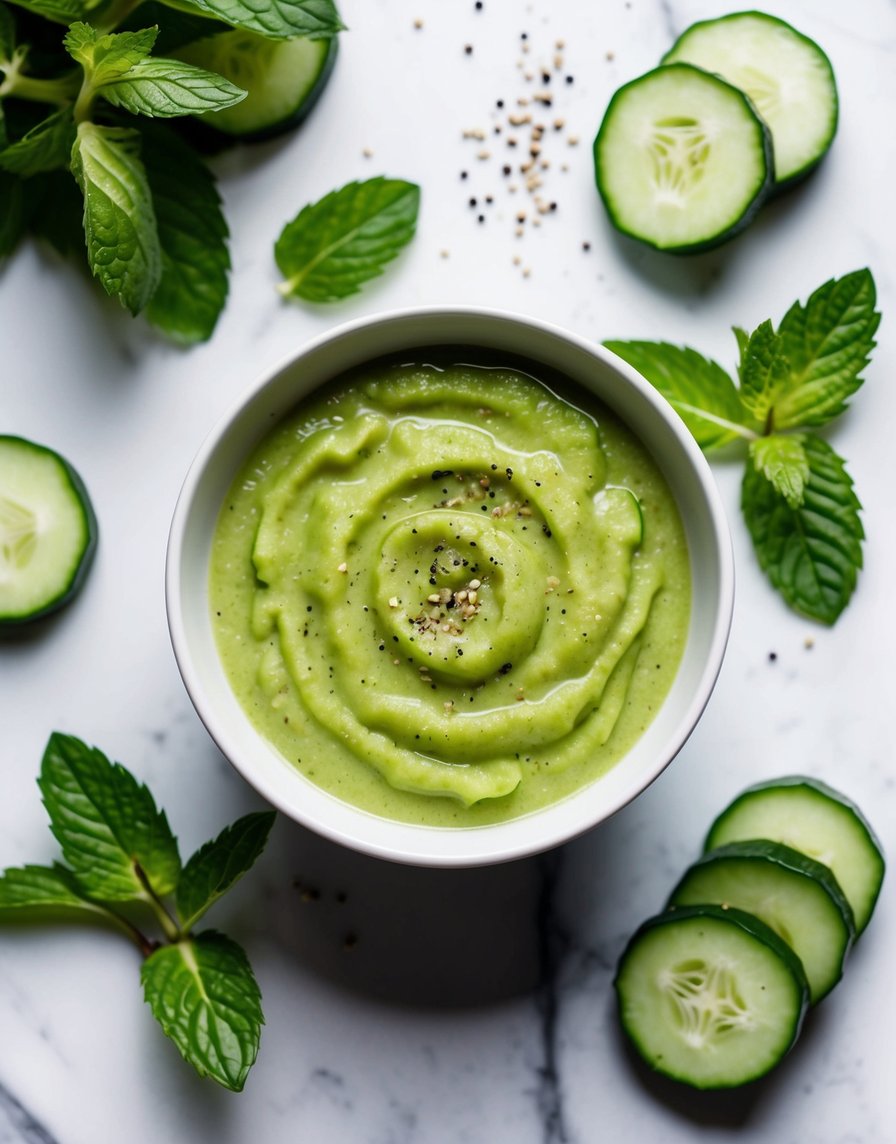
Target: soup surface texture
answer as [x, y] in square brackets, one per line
[450, 594]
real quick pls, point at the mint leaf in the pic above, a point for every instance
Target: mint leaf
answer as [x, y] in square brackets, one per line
[204, 995]
[742, 337]
[280, 19]
[764, 371]
[828, 343]
[12, 213]
[7, 37]
[46, 147]
[43, 887]
[812, 553]
[215, 867]
[698, 389]
[332, 247]
[165, 88]
[59, 11]
[119, 220]
[782, 460]
[111, 834]
[106, 57]
[193, 238]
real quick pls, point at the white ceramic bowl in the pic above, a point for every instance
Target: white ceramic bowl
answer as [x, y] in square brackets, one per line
[613, 382]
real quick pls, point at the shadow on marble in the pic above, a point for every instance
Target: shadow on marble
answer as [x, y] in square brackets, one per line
[405, 934]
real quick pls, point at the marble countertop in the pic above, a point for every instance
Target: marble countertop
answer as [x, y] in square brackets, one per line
[414, 1006]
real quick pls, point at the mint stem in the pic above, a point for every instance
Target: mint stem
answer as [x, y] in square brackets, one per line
[143, 943]
[170, 927]
[58, 91]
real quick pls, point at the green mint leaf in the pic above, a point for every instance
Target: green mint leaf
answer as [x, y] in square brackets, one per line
[782, 460]
[279, 20]
[215, 867]
[59, 11]
[107, 824]
[742, 338]
[12, 213]
[828, 343]
[107, 56]
[43, 888]
[165, 88]
[204, 995]
[332, 247]
[193, 238]
[698, 389]
[46, 147]
[764, 372]
[811, 554]
[119, 220]
[7, 36]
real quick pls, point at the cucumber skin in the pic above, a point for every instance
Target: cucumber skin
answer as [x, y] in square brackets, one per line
[788, 858]
[822, 788]
[79, 575]
[755, 928]
[777, 186]
[291, 122]
[740, 224]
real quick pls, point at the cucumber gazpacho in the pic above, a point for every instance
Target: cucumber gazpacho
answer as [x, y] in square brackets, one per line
[450, 594]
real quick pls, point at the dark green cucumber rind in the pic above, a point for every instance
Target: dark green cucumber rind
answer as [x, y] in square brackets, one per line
[728, 232]
[67, 593]
[875, 849]
[289, 122]
[754, 928]
[785, 857]
[778, 185]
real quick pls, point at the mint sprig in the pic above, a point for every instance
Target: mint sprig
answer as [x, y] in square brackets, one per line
[123, 866]
[78, 105]
[332, 247]
[797, 497]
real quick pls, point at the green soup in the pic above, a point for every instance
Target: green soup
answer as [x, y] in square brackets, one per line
[450, 594]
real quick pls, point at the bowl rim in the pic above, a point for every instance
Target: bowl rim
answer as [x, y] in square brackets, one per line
[284, 787]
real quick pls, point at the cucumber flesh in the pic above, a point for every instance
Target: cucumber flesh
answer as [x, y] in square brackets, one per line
[786, 75]
[284, 79]
[796, 896]
[48, 531]
[811, 817]
[681, 159]
[710, 996]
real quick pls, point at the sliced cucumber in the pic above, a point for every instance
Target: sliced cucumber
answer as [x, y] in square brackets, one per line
[48, 531]
[710, 996]
[682, 161]
[816, 820]
[284, 79]
[796, 896]
[786, 75]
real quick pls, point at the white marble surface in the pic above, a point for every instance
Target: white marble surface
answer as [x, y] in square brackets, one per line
[409, 1006]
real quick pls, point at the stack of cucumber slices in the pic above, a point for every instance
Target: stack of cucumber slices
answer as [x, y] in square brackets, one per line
[713, 991]
[740, 107]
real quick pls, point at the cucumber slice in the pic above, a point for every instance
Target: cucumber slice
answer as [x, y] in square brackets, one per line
[681, 160]
[786, 75]
[284, 79]
[48, 531]
[816, 820]
[710, 996]
[796, 896]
